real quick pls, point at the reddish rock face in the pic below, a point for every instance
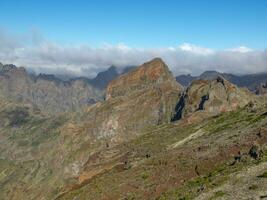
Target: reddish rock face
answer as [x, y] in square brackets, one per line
[150, 74]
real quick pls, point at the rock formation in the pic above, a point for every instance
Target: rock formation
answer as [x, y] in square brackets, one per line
[211, 97]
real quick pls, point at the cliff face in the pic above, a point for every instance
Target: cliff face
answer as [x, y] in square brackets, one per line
[49, 94]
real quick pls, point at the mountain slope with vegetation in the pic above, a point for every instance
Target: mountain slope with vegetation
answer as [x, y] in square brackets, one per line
[130, 147]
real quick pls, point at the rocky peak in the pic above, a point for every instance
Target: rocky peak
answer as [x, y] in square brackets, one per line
[212, 97]
[103, 78]
[151, 74]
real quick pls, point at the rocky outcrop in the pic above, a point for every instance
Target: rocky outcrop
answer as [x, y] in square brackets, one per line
[48, 93]
[212, 97]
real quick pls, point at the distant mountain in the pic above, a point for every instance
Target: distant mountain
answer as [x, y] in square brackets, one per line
[185, 80]
[46, 92]
[55, 93]
[209, 75]
[128, 69]
[103, 78]
[250, 81]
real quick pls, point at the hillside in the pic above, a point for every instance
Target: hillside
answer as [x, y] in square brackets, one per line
[149, 139]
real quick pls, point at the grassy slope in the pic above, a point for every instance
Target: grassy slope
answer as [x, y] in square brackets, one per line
[37, 153]
[153, 166]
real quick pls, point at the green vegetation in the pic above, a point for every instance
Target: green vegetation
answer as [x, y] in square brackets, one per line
[264, 175]
[253, 187]
[159, 168]
[145, 175]
[217, 194]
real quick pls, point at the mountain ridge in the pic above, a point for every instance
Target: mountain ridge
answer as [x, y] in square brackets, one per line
[250, 81]
[129, 147]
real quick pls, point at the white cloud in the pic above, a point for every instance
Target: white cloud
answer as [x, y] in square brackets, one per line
[241, 49]
[196, 49]
[41, 55]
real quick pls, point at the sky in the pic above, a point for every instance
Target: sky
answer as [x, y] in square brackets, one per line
[86, 36]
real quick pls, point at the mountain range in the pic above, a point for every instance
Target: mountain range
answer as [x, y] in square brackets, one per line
[145, 136]
[52, 94]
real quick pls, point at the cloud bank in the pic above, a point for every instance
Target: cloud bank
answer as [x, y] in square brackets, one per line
[40, 55]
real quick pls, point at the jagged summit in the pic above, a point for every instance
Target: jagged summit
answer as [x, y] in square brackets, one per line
[149, 74]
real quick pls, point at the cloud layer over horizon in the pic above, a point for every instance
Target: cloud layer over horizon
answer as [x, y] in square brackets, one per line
[40, 55]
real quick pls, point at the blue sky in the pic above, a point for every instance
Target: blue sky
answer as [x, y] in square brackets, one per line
[147, 23]
[83, 37]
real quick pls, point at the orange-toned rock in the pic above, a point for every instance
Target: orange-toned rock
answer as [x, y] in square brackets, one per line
[150, 74]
